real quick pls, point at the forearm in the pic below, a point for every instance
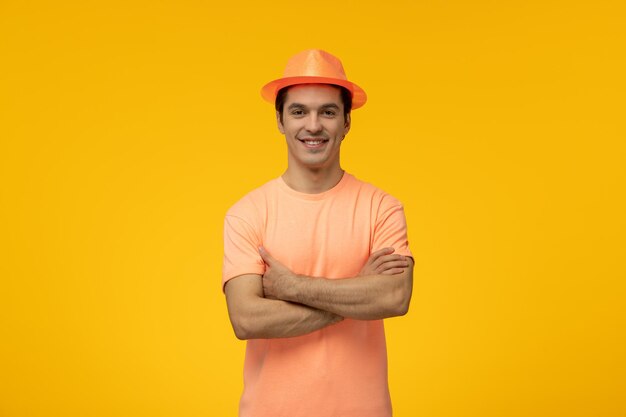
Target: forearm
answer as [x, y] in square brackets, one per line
[364, 298]
[255, 317]
[266, 319]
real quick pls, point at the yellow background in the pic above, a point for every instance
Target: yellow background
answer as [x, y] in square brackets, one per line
[128, 128]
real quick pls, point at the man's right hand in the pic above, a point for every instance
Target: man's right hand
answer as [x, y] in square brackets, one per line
[384, 262]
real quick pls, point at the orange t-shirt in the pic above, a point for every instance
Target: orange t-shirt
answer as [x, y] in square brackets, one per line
[340, 370]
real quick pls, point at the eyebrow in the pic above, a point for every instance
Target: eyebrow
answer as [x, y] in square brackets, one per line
[323, 106]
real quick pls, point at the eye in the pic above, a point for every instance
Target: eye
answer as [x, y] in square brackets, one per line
[329, 113]
[297, 112]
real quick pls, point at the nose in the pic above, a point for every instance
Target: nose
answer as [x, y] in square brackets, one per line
[313, 123]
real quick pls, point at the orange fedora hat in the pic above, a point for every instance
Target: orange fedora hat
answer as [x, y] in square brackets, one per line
[314, 66]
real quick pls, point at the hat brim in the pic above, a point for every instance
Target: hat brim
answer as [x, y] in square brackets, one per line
[269, 90]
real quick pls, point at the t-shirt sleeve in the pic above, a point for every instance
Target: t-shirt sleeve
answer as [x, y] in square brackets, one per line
[241, 253]
[390, 229]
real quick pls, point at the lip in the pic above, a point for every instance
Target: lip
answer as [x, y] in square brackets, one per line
[322, 143]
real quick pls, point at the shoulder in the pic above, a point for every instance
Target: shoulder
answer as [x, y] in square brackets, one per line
[254, 203]
[379, 198]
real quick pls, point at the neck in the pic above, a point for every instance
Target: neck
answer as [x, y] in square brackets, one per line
[313, 181]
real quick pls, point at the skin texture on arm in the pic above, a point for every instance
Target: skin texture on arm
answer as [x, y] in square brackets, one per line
[255, 317]
[370, 296]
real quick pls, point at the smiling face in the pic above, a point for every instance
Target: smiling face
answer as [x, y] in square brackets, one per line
[314, 126]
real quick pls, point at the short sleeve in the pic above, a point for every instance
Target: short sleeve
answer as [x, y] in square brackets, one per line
[390, 229]
[241, 249]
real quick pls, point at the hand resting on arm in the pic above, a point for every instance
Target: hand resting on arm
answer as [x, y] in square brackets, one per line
[255, 314]
[382, 289]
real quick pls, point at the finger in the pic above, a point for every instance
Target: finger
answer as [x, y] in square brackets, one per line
[393, 264]
[387, 258]
[393, 271]
[390, 258]
[379, 253]
[265, 255]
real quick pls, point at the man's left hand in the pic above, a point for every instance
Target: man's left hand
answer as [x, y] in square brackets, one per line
[276, 277]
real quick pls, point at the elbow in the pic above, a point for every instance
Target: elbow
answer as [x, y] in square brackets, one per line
[402, 300]
[404, 291]
[403, 306]
[396, 307]
[396, 304]
[240, 333]
[241, 328]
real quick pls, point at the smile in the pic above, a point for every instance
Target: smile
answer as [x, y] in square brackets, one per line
[313, 143]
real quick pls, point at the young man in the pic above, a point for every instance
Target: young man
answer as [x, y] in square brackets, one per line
[314, 260]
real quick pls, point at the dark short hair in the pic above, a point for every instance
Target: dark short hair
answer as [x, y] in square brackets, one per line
[346, 99]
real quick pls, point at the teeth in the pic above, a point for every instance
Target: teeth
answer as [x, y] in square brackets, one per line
[312, 142]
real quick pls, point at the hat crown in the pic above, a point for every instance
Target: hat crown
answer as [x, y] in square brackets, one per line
[314, 63]
[314, 66]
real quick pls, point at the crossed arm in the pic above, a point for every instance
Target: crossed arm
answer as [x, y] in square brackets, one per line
[283, 304]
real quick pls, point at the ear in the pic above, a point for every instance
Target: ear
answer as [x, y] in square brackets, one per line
[279, 123]
[348, 123]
